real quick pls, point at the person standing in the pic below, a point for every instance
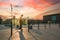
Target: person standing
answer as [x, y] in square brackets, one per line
[0, 20]
[14, 21]
[20, 22]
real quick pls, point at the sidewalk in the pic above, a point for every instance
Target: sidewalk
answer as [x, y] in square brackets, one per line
[52, 33]
[21, 35]
[4, 32]
[34, 34]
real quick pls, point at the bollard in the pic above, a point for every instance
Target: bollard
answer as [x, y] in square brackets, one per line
[38, 26]
[49, 25]
[45, 25]
[59, 25]
[29, 27]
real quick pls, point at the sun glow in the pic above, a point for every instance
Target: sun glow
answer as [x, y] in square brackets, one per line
[29, 8]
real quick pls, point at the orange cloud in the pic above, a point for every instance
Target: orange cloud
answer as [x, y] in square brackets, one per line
[38, 17]
[45, 2]
[39, 5]
[4, 3]
[15, 13]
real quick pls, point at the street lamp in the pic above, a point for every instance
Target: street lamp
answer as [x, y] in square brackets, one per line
[11, 20]
[12, 16]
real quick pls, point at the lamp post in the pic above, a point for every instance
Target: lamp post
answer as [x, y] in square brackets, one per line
[12, 16]
[11, 20]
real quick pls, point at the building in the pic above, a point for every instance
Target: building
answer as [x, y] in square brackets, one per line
[53, 15]
[54, 18]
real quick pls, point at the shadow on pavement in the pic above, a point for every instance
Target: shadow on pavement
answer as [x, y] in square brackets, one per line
[34, 32]
[37, 31]
[9, 37]
[21, 35]
[33, 36]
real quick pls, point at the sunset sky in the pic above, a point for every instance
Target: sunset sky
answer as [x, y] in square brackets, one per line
[29, 8]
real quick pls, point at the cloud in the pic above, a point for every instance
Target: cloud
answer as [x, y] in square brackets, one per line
[53, 1]
[37, 4]
[4, 0]
[16, 2]
[30, 6]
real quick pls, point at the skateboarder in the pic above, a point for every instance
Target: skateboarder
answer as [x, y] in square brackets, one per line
[20, 22]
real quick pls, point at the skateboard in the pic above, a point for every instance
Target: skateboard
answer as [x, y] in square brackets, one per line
[21, 29]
